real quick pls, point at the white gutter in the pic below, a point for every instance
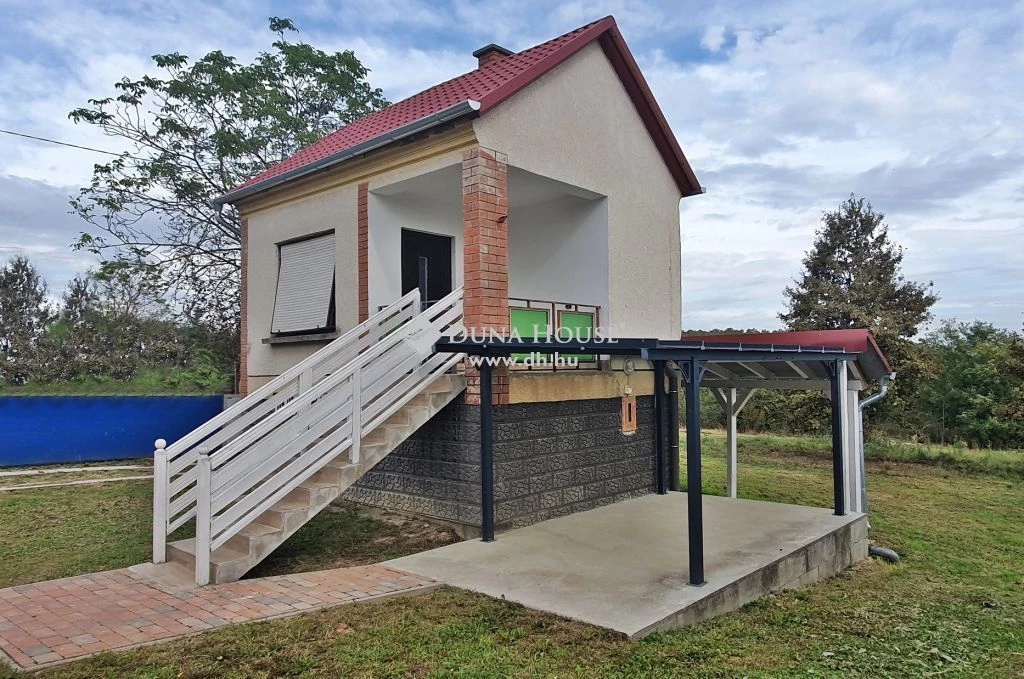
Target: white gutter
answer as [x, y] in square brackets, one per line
[459, 110]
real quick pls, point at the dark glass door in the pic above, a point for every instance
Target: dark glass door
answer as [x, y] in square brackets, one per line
[426, 264]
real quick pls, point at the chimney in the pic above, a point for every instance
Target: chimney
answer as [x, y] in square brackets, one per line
[488, 54]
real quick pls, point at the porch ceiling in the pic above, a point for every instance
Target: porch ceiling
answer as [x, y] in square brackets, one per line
[810, 375]
[437, 185]
[524, 188]
[528, 188]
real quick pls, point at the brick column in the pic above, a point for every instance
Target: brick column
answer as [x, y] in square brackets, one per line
[485, 245]
[243, 329]
[362, 249]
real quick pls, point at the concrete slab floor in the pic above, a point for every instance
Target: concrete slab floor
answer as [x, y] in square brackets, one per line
[624, 566]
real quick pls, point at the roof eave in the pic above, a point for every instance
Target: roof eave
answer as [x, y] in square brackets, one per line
[462, 109]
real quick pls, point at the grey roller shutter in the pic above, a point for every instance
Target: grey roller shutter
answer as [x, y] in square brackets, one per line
[304, 285]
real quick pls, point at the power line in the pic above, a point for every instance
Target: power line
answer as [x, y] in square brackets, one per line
[61, 143]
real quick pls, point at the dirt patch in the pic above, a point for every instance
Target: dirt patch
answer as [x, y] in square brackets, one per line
[349, 534]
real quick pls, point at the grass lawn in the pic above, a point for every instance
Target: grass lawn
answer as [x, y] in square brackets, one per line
[953, 608]
[146, 382]
[48, 533]
[1008, 463]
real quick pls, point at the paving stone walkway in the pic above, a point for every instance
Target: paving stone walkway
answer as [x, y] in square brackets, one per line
[47, 623]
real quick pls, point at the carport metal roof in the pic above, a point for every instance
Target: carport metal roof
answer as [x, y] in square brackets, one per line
[869, 364]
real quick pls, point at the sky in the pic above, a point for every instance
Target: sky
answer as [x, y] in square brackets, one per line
[782, 108]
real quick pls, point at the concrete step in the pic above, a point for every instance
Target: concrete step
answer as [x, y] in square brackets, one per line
[446, 382]
[226, 563]
[279, 515]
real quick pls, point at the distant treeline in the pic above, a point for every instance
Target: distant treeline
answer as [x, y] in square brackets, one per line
[970, 390]
[111, 331]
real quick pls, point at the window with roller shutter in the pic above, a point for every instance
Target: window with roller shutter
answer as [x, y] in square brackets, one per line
[305, 286]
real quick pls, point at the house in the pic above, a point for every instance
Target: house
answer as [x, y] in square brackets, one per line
[533, 202]
[546, 183]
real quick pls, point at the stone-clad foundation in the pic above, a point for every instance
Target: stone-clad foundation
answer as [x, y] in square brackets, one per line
[550, 459]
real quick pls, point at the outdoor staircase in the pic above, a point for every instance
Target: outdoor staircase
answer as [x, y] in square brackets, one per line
[260, 470]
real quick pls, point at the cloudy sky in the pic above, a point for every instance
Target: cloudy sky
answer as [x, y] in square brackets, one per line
[783, 108]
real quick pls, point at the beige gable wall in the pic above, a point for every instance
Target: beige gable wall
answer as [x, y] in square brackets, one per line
[333, 209]
[318, 205]
[577, 124]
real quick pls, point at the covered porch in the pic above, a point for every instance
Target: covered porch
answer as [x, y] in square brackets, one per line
[556, 251]
[670, 559]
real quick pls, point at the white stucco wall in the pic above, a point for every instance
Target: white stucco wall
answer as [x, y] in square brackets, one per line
[557, 251]
[337, 209]
[334, 209]
[577, 124]
[388, 215]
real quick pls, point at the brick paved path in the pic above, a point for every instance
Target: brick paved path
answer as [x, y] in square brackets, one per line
[51, 622]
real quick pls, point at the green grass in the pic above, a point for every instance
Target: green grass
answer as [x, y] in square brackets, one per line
[954, 607]
[149, 381]
[48, 533]
[1008, 463]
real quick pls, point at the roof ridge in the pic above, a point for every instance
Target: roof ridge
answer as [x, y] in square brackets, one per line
[492, 66]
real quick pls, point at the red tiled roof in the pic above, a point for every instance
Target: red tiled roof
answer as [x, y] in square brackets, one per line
[493, 84]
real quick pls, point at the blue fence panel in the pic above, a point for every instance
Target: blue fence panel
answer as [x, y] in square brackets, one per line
[53, 429]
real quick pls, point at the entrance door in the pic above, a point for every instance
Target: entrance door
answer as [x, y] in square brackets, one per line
[426, 264]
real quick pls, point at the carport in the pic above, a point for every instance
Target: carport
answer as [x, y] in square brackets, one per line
[733, 366]
[734, 383]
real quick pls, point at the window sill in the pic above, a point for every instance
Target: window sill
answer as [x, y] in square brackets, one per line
[299, 339]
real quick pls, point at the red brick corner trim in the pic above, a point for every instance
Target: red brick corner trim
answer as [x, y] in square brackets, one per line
[363, 249]
[485, 249]
[243, 321]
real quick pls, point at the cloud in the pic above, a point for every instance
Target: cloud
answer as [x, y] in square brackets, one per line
[713, 39]
[35, 222]
[917, 110]
[783, 109]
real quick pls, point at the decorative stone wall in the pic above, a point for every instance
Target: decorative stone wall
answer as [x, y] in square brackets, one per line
[550, 459]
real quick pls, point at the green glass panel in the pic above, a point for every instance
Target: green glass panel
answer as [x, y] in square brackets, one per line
[524, 321]
[577, 324]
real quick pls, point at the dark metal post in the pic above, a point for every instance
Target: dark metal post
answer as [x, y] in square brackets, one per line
[486, 454]
[659, 425]
[692, 373]
[673, 429]
[836, 369]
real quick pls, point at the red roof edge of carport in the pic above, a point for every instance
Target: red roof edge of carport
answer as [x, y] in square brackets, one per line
[857, 340]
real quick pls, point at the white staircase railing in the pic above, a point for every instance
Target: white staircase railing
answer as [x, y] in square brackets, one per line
[260, 464]
[175, 467]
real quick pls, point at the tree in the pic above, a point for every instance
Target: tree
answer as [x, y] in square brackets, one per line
[852, 278]
[192, 133]
[977, 395]
[25, 314]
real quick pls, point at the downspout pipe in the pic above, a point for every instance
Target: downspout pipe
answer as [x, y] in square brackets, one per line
[881, 552]
[673, 427]
[225, 226]
[883, 391]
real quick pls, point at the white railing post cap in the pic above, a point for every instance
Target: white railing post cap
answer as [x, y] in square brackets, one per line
[160, 444]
